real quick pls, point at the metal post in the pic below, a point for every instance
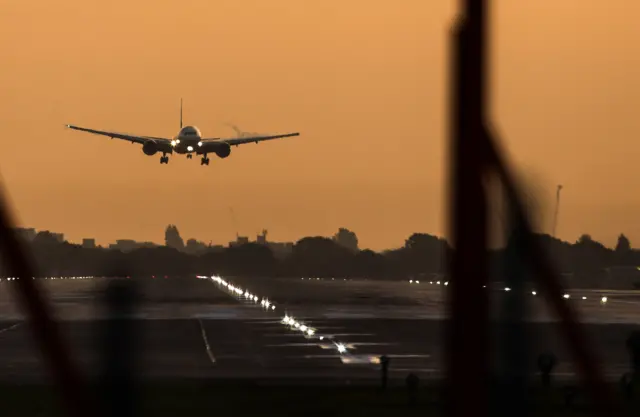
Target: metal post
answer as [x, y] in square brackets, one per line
[555, 215]
[467, 346]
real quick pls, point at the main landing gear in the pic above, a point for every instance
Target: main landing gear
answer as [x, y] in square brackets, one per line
[204, 161]
[164, 159]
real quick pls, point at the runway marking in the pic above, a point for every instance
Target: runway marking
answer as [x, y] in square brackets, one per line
[216, 316]
[206, 342]
[399, 356]
[430, 370]
[294, 344]
[6, 329]
[349, 316]
[329, 345]
[318, 328]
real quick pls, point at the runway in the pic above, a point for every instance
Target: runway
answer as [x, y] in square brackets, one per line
[189, 328]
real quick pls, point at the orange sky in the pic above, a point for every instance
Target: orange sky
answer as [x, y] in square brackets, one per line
[364, 82]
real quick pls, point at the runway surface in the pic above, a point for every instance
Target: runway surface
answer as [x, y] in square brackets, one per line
[196, 328]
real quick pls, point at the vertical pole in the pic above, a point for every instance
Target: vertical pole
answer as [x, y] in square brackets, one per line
[555, 215]
[512, 398]
[119, 348]
[467, 339]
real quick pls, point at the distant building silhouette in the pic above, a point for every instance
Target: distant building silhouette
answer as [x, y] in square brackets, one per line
[58, 236]
[88, 243]
[279, 249]
[240, 240]
[262, 237]
[128, 245]
[28, 234]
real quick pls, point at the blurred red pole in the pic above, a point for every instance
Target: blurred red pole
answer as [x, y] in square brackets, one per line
[39, 315]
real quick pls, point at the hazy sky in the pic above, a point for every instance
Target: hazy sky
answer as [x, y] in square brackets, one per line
[364, 82]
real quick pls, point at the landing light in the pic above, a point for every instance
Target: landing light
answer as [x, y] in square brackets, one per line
[174, 143]
[199, 143]
[190, 148]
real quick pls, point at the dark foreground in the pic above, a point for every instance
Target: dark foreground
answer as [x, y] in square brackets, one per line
[264, 348]
[230, 398]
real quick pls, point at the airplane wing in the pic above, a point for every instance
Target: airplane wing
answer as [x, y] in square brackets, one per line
[250, 139]
[123, 136]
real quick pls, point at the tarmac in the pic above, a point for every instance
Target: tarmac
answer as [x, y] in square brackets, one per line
[197, 328]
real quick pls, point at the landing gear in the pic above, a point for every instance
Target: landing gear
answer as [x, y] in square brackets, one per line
[164, 159]
[189, 156]
[204, 161]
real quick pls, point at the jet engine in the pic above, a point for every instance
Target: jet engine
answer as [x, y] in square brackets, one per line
[150, 147]
[223, 150]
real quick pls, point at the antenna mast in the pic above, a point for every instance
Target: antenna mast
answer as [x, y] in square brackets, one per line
[555, 215]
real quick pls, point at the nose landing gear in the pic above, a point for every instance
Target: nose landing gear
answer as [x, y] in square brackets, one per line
[204, 161]
[189, 156]
[164, 159]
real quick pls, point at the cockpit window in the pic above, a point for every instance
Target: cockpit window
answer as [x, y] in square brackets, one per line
[190, 131]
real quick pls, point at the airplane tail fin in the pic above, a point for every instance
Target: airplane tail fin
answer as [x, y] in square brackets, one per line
[180, 113]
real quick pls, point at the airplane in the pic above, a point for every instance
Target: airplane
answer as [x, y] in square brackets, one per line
[188, 141]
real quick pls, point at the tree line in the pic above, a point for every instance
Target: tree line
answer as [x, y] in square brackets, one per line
[422, 256]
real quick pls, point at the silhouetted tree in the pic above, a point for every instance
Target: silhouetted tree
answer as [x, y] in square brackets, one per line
[346, 238]
[584, 239]
[425, 253]
[590, 259]
[319, 256]
[250, 259]
[623, 245]
[45, 238]
[622, 253]
[369, 264]
[172, 238]
[195, 247]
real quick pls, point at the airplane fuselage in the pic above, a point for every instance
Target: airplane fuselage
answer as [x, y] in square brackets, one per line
[187, 141]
